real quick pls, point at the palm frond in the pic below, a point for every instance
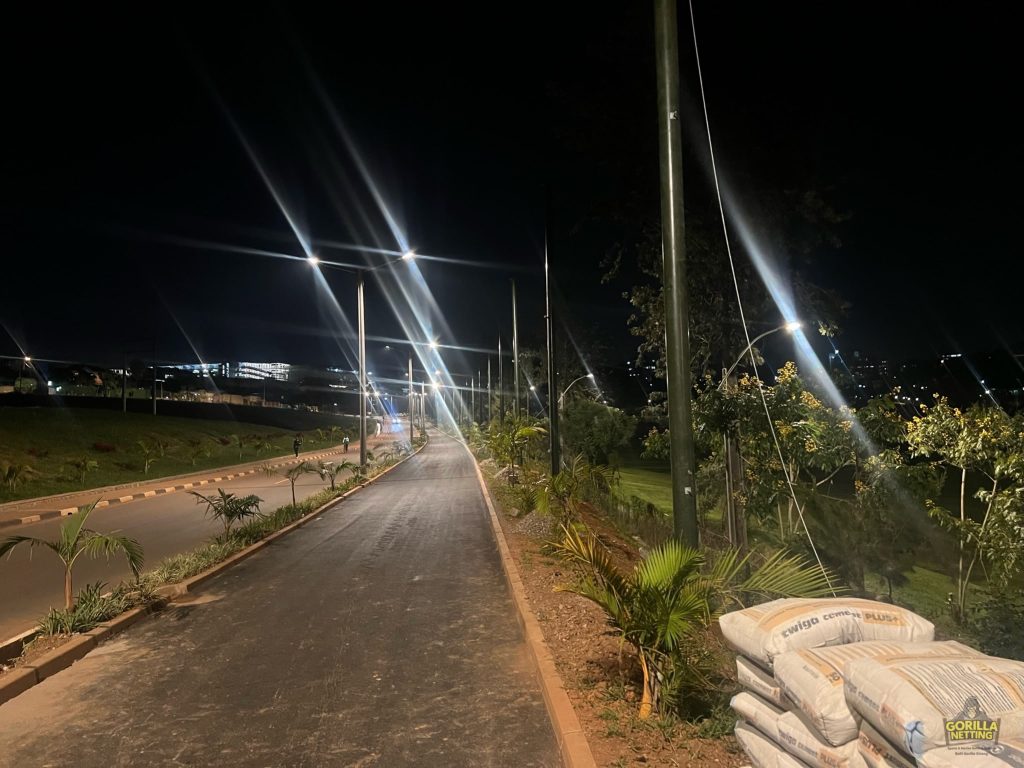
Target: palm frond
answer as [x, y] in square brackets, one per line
[96, 544]
[7, 545]
[588, 552]
[667, 566]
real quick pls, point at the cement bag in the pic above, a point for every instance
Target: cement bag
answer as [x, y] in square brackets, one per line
[1002, 755]
[812, 679]
[762, 751]
[799, 739]
[764, 631]
[757, 712]
[923, 704]
[877, 752]
[755, 679]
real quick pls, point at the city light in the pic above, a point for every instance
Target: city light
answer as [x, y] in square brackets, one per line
[793, 325]
[313, 260]
[409, 255]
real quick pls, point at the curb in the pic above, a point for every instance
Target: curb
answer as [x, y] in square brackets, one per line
[21, 679]
[67, 511]
[572, 741]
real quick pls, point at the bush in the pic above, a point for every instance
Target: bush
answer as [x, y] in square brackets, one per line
[92, 607]
[595, 430]
[998, 619]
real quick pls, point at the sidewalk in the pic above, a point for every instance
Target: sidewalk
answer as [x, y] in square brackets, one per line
[27, 511]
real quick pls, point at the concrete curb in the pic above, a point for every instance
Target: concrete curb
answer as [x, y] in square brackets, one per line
[21, 679]
[572, 742]
[67, 511]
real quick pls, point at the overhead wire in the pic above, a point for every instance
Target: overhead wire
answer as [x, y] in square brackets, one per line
[743, 319]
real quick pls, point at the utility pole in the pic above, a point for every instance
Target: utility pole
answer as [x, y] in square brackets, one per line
[362, 375]
[677, 341]
[501, 384]
[472, 399]
[479, 415]
[515, 352]
[124, 384]
[555, 445]
[154, 377]
[490, 401]
[412, 435]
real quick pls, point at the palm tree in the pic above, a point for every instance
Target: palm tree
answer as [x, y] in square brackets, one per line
[562, 493]
[13, 474]
[75, 540]
[330, 470]
[83, 466]
[198, 449]
[294, 473]
[146, 450]
[674, 592]
[228, 508]
[240, 442]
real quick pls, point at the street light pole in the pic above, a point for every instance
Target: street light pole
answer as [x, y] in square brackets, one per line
[677, 346]
[553, 438]
[362, 373]
[790, 326]
[412, 436]
[515, 352]
[501, 384]
[566, 390]
[490, 405]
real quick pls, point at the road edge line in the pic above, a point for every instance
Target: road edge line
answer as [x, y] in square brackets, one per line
[49, 664]
[572, 741]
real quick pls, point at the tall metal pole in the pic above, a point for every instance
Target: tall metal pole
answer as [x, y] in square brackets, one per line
[515, 352]
[124, 385]
[501, 384]
[490, 401]
[555, 444]
[154, 377]
[479, 416]
[362, 375]
[677, 341]
[412, 435]
[472, 399]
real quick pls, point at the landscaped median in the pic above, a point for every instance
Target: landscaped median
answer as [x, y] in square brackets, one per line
[33, 656]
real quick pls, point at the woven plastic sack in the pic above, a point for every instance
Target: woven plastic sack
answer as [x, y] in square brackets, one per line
[758, 713]
[926, 704]
[812, 679]
[762, 751]
[755, 679]
[877, 752]
[764, 631]
[799, 738]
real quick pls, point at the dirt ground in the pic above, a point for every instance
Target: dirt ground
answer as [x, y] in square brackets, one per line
[602, 679]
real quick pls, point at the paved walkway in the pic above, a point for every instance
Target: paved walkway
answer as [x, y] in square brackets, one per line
[381, 634]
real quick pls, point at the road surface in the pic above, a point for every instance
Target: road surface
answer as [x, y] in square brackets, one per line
[380, 634]
[33, 580]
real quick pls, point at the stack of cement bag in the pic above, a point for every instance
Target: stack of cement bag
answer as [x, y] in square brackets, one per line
[848, 683]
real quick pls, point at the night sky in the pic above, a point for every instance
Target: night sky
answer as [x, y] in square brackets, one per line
[479, 128]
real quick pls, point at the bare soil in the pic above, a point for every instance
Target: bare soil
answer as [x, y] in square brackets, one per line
[35, 649]
[601, 677]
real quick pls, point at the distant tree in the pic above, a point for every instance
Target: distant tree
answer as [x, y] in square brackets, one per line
[982, 443]
[12, 474]
[76, 540]
[148, 454]
[293, 474]
[329, 470]
[198, 449]
[596, 431]
[83, 466]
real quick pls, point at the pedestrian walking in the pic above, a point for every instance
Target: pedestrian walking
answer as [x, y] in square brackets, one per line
[344, 443]
[296, 443]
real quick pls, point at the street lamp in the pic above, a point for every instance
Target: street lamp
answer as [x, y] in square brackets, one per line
[360, 308]
[581, 378]
[26, 360]
[791, 326]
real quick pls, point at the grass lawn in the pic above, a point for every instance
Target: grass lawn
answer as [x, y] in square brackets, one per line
[50, 439]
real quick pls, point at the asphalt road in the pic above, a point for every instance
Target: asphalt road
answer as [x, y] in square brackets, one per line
[33, 580]
[380, 634]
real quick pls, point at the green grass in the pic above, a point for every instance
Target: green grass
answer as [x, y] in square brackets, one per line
[651, 485]
[48, 439]
[925, 593]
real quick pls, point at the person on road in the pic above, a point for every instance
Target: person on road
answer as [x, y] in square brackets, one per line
[296, 443]
[344, 443]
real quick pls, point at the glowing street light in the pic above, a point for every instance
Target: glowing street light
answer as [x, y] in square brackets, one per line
[433, 344]
[409, 255]
[313, 260]
[581, 378]
[792, 326]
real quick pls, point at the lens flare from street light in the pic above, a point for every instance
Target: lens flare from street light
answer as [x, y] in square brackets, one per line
[28, 359]
[313, 260]
[590, 375]
[409, 255]
[433, 343]
[794, 325]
